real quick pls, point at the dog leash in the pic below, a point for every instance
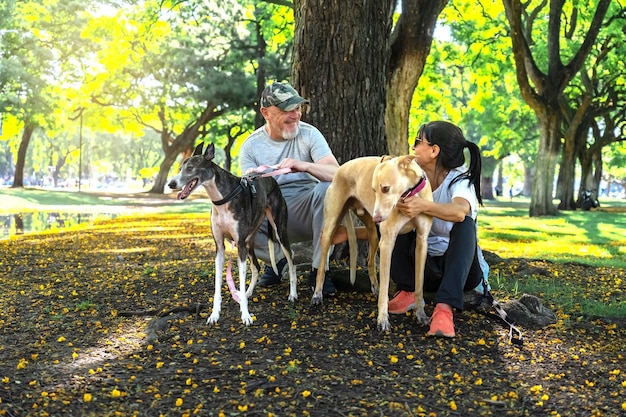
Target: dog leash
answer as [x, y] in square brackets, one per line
[229, 279]
[515, 335]
[269, 171]
[247, 181]
[231, 283]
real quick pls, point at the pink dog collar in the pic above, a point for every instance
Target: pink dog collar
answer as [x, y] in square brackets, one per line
[414, 190]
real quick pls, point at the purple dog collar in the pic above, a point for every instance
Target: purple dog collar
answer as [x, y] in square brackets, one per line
[414, 190]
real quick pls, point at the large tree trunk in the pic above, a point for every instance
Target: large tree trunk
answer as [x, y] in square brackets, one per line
[575, 137]
[361, 78]
[565, 181]
[27, 134]
[545, 164]
[340, 61]
[410, 45]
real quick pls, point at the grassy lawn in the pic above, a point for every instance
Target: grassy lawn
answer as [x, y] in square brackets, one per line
[592, 237]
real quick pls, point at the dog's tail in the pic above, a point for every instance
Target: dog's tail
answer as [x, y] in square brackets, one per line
[270, 246]
[352, 245]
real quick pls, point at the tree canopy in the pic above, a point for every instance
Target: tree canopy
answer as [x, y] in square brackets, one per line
[123, 89]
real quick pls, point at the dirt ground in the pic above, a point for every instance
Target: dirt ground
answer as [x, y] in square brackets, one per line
[110, 320]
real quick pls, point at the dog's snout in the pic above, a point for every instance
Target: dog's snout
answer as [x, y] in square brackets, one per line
[172, 184]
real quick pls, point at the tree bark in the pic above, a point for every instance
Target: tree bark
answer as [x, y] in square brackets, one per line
[575, 135]
[410, 45]
[340, 63]
[545, 165]
[182, 143]
[486, 181]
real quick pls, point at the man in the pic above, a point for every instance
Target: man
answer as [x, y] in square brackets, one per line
[286, 142]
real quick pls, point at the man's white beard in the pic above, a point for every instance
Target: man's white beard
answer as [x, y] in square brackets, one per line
[291, 134]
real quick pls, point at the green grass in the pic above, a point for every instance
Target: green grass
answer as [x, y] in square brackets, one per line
[590, 237]
[594, 238]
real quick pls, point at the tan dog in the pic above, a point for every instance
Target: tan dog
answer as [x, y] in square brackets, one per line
[372, 186]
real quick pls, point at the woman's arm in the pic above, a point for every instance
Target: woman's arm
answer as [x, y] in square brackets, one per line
[454, 211]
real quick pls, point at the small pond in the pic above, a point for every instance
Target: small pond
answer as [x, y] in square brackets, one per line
[21, 223]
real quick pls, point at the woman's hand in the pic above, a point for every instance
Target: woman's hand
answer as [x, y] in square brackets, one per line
[412, 206]
[454, 211]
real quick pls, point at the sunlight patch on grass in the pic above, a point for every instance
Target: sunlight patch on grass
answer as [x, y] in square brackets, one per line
[596, 238]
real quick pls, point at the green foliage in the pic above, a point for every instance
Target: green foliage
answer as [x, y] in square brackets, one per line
[470, 80]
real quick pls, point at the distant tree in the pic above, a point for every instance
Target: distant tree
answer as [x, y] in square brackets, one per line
[542, 75]
[39, 52]
[592, 108]
[469, 79]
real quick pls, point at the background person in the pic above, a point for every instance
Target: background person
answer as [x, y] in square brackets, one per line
[287, 142]
[454, 263]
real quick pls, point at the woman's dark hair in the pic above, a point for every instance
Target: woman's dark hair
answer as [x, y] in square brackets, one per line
[451, 142]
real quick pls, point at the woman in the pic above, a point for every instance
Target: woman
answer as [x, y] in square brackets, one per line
[454, 259]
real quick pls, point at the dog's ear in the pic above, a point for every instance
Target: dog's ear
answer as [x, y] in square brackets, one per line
[209, 153]
[385, 158]
[198, 150]
[406, 161]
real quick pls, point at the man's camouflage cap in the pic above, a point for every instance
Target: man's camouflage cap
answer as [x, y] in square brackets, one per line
[281, 95]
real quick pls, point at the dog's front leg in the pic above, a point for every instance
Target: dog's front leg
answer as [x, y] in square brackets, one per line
[246, 318]
[217, 296]
[421, 243]
[386, 247]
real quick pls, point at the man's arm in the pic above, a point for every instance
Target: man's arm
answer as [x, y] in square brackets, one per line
[246, 160]
[324, 169]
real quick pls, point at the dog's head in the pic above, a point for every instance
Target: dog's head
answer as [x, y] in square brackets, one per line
[194, 171]
[392, 177]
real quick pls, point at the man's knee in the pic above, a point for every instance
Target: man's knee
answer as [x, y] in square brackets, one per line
[319, 192]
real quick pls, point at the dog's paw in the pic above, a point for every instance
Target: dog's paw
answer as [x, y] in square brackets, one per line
[213, 318]
[293, 297]
[246, 319]
[383, 325]
[317, 299]
[421, 316]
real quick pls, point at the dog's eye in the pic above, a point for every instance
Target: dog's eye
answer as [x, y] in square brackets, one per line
[384, 189]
